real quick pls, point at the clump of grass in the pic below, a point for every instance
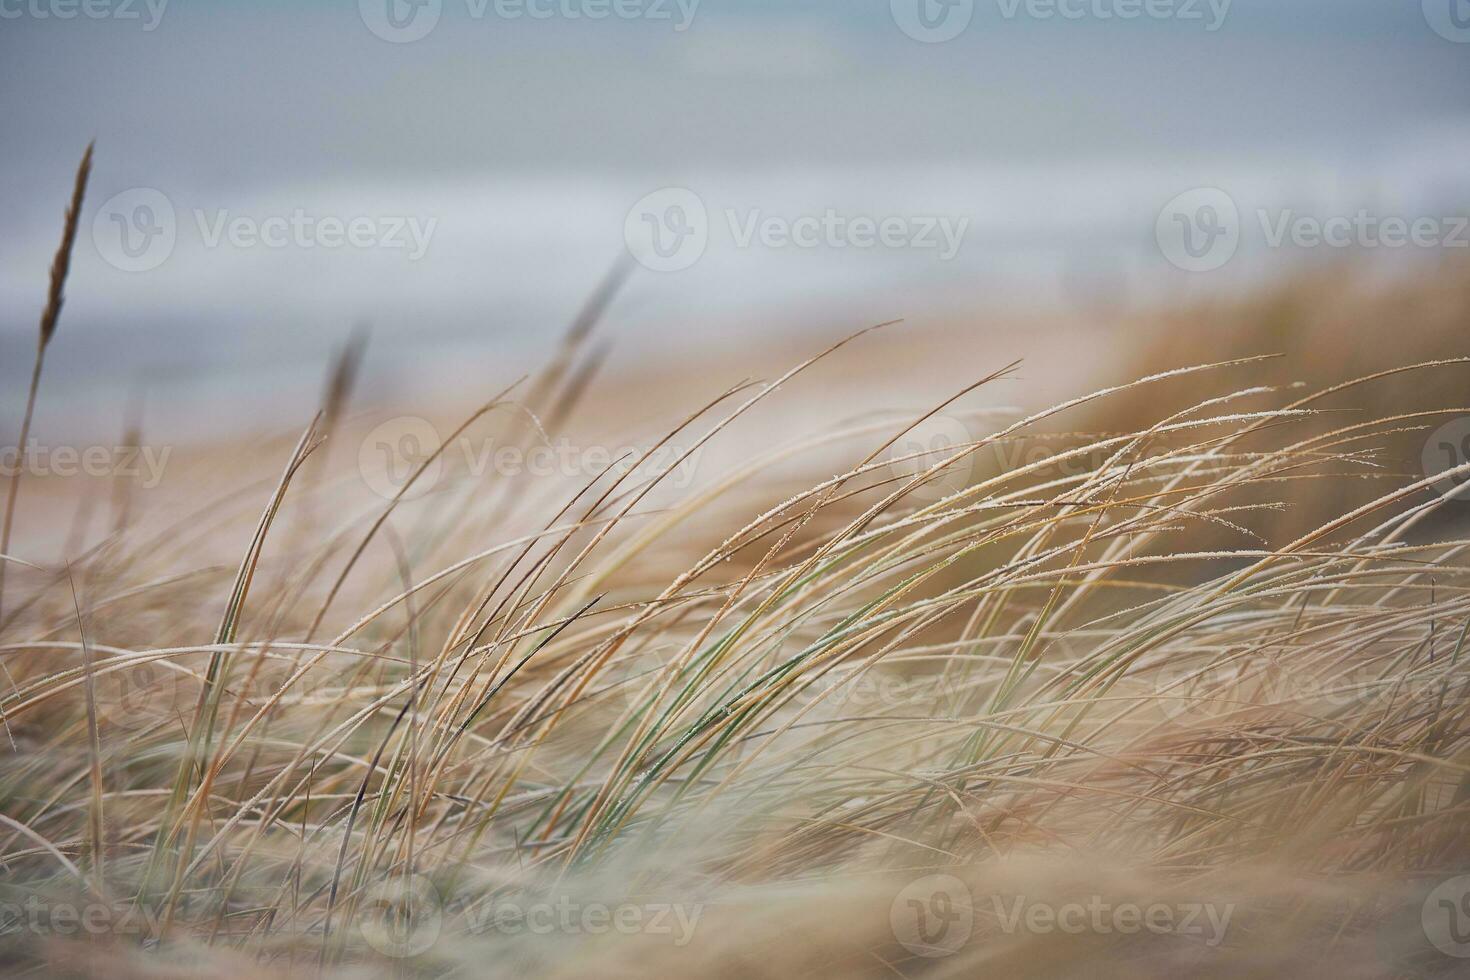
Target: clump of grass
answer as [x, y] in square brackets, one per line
[516, 693]
[516, 712]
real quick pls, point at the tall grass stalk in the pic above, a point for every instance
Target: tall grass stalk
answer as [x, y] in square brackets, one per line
[50, 316]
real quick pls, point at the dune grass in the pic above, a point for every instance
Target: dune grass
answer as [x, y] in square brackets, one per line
[391, 720]
[510, 709]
